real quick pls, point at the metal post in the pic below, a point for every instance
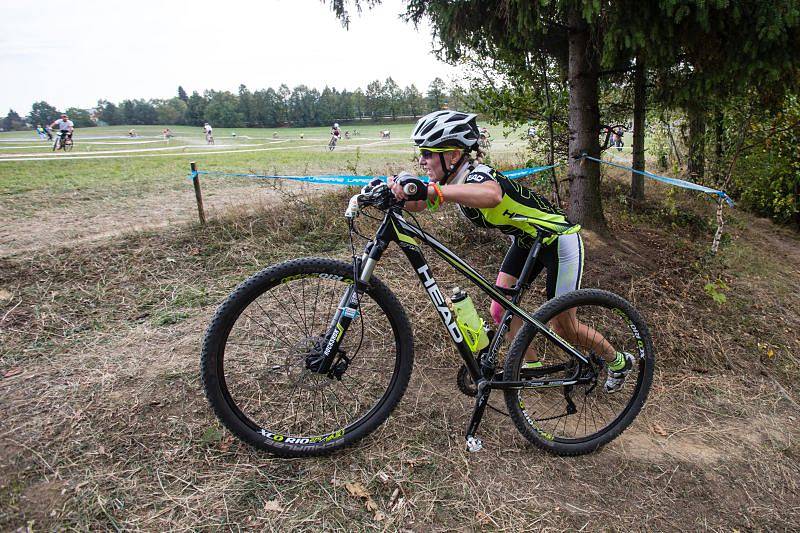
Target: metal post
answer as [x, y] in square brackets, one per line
[197, 194]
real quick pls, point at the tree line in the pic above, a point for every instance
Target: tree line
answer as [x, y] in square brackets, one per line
[301, 106]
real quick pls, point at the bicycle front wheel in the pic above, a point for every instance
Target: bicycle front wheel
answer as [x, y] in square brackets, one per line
[580, 418]
[256, 348]
[68, 145]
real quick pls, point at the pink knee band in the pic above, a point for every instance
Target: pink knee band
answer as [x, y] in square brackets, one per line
[496, 310]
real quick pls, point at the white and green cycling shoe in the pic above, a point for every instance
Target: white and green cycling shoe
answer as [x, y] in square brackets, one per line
[618, 370]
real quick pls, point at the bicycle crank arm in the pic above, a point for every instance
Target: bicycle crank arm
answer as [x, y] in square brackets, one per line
[474, 444]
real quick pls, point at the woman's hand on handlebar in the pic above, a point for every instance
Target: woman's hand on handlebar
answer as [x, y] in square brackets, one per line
[406, 186]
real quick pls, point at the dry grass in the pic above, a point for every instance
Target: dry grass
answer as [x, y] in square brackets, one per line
[105, 425]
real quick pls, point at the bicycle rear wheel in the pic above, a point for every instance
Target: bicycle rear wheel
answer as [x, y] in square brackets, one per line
[579, 419]
[68, 145]
[255, 351]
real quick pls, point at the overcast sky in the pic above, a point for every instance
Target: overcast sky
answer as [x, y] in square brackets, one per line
[72, 53]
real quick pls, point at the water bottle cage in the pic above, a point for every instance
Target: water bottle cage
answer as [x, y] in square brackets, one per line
[471, 336]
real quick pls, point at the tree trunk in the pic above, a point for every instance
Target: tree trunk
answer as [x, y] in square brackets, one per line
[551, 153]
[719, 150]
[697, 143]
[639, 103]
[586, 207]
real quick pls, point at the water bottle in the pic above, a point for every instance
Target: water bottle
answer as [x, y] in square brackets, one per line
[468, 321]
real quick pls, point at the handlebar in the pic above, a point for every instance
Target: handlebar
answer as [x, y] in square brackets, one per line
[410, 189]
[376, 194]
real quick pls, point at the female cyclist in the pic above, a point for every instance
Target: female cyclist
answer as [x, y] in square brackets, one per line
[490, 200]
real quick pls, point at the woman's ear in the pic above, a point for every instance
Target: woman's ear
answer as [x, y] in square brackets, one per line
[455, 155]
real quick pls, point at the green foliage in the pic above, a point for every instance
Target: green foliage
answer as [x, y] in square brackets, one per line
[767, 175]
[223, 108]
[12, 121]
[80, 117]
[714, 290]
[301, 106]
[42, 113]
[436, 94]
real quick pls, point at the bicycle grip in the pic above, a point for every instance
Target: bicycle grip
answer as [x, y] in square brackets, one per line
[410, 189]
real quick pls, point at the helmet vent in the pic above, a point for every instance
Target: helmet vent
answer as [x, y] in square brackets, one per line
[427, 128]
[435, 136]
[456, 118]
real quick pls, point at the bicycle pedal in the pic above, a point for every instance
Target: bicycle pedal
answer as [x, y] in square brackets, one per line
[474, 444]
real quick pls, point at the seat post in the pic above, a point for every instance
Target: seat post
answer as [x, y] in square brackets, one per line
[522, 283]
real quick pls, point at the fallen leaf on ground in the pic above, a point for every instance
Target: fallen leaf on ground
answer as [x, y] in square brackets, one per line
[659, 430]
[482, 518]
[12, 372]
[379, 516]
[273, 506]
[5, 295]
[357, 490]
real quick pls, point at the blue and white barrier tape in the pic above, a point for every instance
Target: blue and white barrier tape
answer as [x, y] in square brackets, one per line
[671, 181]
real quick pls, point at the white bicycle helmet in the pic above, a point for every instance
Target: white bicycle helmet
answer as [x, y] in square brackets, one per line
[336, 125]
[446, 128]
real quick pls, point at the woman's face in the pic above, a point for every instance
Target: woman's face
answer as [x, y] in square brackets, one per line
[431, 163]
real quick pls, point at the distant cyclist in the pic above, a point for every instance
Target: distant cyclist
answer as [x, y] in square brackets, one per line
[40, 132]
[65, 127]
[336, 134]
[209, 133]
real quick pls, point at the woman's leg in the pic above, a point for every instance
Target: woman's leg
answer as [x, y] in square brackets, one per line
[510, 271]
[562, 277]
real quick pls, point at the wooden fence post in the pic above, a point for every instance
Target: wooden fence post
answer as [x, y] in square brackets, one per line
[197, 194]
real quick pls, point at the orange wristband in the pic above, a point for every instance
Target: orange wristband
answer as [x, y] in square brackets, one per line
[438, 193]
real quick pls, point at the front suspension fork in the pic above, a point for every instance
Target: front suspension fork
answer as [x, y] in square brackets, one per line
[346, 312]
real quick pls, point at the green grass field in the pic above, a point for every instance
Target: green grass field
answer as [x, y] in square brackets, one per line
[105, 157]
[110, 182]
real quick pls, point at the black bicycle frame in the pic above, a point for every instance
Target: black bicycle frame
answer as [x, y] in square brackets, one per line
[394, 228]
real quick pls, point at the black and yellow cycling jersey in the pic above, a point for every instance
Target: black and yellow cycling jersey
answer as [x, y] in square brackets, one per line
[518, 201]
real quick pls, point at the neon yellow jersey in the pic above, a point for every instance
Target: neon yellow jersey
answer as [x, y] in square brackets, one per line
[518, 201]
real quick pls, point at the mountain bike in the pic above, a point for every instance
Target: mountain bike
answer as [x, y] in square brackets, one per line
[310, 355]
[63, 141]
[332, 142]
[209, 138]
